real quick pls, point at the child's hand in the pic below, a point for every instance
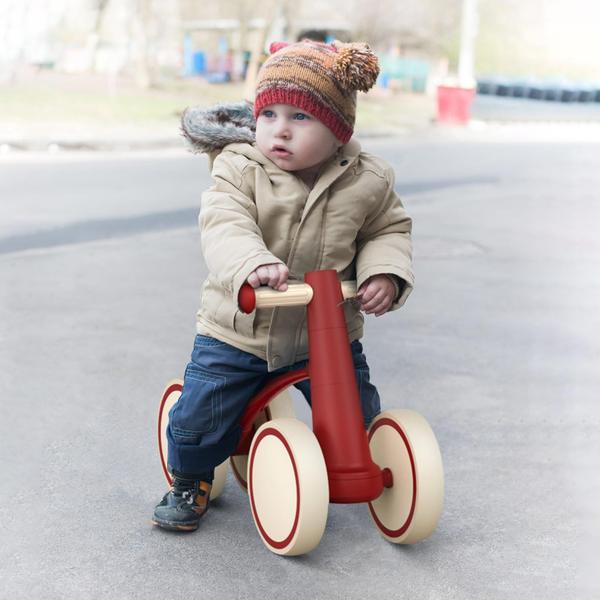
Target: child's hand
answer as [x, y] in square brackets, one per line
[274, 275]
[376, 295]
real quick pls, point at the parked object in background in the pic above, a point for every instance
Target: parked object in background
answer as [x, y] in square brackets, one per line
[569, 92]
[586, 93]
[503, 87]
[552, 90]
[486, 86]
[520, 88]
[536, 90]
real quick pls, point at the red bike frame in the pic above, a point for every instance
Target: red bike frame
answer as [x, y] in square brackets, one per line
[336, 410]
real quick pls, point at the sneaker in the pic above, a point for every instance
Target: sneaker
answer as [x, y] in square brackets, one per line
[183, 505]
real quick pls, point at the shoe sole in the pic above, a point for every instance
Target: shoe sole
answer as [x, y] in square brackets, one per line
[175, 526]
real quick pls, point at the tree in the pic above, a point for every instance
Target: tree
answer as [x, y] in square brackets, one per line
[94, 38]
[426, 26]
[259, 48]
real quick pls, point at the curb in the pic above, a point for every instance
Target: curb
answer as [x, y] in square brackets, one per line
[53, 146]
[58, 145]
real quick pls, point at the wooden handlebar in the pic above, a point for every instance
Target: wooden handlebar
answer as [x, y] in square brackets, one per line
[297, 294]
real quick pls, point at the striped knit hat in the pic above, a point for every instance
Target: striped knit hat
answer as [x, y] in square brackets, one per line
[319, 78]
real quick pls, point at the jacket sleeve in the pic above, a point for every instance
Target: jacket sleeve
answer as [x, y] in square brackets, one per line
[384, 243]
[232, 242]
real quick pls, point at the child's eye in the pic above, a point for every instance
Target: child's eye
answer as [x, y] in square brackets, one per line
[267, 113]
[304, 117]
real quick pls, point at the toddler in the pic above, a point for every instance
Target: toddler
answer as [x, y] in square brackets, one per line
[293, 192]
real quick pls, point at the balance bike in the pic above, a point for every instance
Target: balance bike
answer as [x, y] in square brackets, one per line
[292, 473]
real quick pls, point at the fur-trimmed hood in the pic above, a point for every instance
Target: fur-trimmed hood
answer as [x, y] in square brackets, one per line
[210, 129]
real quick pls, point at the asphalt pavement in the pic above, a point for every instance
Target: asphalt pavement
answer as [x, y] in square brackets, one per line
[498, 347]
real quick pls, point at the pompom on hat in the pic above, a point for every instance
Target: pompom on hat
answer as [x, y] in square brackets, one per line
[320, 78]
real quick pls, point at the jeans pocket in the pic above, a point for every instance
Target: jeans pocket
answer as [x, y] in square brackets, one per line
[207, 341]
[200, 406]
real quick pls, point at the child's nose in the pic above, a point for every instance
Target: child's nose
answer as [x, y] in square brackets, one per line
[282, 129]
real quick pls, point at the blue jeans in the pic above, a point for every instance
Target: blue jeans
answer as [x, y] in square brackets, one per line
[204, 424]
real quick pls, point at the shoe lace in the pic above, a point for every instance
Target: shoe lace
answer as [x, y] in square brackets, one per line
[188, 491]
[188, 497]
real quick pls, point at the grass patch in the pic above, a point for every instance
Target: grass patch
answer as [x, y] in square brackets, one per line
[53, 98]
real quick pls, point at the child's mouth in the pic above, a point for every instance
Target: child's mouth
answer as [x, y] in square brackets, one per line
[281, 152]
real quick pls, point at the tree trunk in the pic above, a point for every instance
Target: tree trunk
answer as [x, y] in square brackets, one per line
[94, 37]
[141, 27]
[257, 51]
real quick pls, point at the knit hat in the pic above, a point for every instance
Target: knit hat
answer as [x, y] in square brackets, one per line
[319, 78]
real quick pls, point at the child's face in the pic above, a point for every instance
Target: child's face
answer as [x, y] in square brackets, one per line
[308, 142]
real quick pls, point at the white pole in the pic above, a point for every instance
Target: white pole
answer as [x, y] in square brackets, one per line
[468, 33]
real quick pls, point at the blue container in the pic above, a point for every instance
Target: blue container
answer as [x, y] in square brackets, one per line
[383, 80]
[199, 63]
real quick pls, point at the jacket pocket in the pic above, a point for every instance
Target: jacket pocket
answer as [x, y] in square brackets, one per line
[199, 408]
[217, 305]
[243, 323]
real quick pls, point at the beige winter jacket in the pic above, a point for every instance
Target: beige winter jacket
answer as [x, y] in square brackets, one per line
[256, 213]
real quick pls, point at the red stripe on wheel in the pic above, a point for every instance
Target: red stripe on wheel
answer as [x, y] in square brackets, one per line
[282, 543]
[176, 387]
[401, 530]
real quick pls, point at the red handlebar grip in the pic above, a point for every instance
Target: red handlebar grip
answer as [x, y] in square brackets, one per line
[247, 298]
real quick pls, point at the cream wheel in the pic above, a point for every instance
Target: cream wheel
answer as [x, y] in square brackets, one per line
[402, 442]
[219, 480]
[169, 398]
[281, 406]
[287, 486]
